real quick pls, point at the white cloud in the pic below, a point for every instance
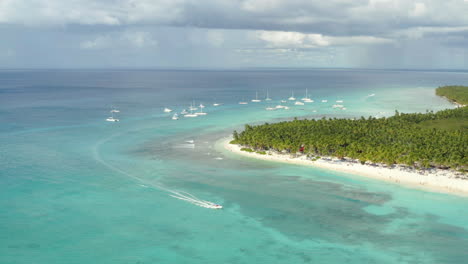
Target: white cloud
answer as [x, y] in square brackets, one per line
[139, 39]
[419, 9]
[132, 39]
[97, 43]
[282, 39]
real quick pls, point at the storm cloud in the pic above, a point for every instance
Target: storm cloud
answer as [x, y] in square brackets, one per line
[191, 33]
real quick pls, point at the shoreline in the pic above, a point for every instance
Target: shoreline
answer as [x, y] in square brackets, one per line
[435, 180]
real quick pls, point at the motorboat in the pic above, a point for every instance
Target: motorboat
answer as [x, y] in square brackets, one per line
[270, 108]
[112, 119]
[339, 101]
[175, 117]
[243, 102]
[324, 101]
[298, 103]
[167, 110]
[191, 114]
[216, 104]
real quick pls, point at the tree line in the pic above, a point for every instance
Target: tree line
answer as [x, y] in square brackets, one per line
[400, 139]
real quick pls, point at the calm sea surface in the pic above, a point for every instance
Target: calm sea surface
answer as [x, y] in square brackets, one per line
[77, 189]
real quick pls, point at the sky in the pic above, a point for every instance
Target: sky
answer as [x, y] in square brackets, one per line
[421, 34]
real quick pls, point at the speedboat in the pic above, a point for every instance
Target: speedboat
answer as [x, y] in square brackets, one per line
[216, 206]
[216, 104]
[112, 119]
[167, 110]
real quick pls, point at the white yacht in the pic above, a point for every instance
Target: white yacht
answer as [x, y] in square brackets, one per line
[191, 114]
[216, 104]
[175, 117]
[292, 98]
[324, 101]
[298, 103]
[256, 100]
[167, 110]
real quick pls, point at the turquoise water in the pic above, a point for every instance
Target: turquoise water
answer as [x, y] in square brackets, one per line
[77, 189]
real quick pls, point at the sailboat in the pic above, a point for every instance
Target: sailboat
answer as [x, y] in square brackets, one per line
[201, 112]
[111, 118]
[292, 98]
[184, 112]
[267, 97]
[192, 107]
[167, 110]
[201, 106]
[256, 100]
[306, 99]
[191, 114]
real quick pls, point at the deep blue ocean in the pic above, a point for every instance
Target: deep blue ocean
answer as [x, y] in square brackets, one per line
[77, 189]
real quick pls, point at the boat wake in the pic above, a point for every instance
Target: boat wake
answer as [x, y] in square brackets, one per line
[181, 195]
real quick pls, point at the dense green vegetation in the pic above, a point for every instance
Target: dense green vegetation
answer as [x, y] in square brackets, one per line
[420, 140]
[454, 93]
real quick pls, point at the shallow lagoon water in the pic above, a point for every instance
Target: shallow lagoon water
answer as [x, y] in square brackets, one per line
[77, 189]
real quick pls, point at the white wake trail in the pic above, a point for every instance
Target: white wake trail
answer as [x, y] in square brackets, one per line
[181, 195]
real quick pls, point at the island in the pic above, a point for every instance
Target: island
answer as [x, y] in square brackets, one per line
[424, 149]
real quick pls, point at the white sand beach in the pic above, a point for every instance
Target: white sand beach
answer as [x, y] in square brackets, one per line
[436, 180]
